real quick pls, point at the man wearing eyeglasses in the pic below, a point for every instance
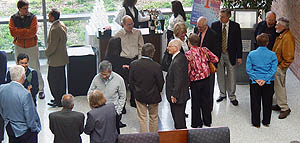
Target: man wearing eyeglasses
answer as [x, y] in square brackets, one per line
[112, 86]
[132, 42]
[23, 27]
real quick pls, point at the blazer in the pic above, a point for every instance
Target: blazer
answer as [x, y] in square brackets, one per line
[263, 28]
[101, 124]
[210, 42]
[146, 88]
[177, 80]
[56, 51]
[66, 125]
[234, 40]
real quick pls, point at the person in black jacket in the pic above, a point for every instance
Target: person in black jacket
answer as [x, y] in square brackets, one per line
[267, 26]
[147, 88]
[229, 39]
[177, 84]
[67, 125]
[3, 68]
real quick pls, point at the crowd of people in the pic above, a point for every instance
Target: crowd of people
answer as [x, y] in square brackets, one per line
[188, 61]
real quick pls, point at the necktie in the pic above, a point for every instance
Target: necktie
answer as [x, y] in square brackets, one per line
[224, 39]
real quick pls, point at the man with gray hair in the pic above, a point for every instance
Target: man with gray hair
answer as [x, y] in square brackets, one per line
[132, 42]
[112, 86]
[17, 109]
[267, 26]
[66, 125]
[284, 48]
[177, 84]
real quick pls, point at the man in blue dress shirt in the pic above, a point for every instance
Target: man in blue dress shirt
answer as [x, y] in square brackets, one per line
[261, 67]
[17, 109]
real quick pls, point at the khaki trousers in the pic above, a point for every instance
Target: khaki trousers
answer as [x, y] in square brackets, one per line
[226, 77]
[280, 90]
[33, 54]
[142, 116]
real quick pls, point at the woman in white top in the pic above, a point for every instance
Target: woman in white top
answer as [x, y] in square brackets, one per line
[130, 9]
[177, 16]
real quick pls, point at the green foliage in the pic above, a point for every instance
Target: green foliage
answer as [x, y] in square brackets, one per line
[248, 4]
[109, 5]
[188, 3]
[158, 5]
[5, 38]
[68, 10]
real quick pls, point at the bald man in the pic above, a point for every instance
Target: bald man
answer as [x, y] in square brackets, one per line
[177, 84]
[267, 26]
[67, 125]
[132, 42]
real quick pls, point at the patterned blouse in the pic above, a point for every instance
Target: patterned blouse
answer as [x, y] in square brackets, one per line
[198, 62]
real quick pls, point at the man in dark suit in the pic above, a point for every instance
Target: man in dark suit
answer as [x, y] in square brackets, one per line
[146, 88]
[267, 26]
[177, 85]
[66, 125]
[207, 39]
[229, 37]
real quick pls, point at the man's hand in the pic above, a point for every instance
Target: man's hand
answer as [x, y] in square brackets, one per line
[173, 99]
[125, 66]
[28, 88]
[239, 60]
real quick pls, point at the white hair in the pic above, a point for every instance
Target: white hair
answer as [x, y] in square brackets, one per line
[124, 19]
[270, 12]
[203, 19]
[16, 72]
[177, 43]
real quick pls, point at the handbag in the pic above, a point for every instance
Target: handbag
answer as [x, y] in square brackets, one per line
[211, 65]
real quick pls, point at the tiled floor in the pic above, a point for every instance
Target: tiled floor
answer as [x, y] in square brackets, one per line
[224, 114]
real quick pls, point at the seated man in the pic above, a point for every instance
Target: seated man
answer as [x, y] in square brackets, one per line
[31, 81]
[66, 125]
[17, 109]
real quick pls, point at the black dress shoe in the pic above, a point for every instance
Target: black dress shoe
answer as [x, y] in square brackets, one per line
[52, 101]
[133, 104]
[235, 102]
[54, 105]
[124, 111]
[276, 108]
[122, 125]
[221, 98]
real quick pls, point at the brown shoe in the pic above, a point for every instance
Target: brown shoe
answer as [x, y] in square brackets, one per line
[276, 108]
[284, 114]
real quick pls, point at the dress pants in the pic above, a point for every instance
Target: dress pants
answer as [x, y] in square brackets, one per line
[280, 90]
[201, 102]
[257, 94]
[226, 77]
[57, 82]
[28, 137]
[118, 119]
[1, 129]
[33, 54]
[178, 114]
[212, 88]
[142, 109]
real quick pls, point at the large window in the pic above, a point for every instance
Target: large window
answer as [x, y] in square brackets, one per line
[71, 8]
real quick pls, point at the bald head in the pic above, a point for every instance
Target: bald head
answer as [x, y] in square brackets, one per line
[127, 23]
[174, 46]
[202, 24]
[67, 101]
[271, 19]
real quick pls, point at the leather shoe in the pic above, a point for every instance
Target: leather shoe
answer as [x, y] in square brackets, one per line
[284, 114]
[54, 105]
[276, 108]
[235, 102]
[257, 126]
[52, 101]
[132, 104]
[41, 95]
[221, 98]
[122, 125]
